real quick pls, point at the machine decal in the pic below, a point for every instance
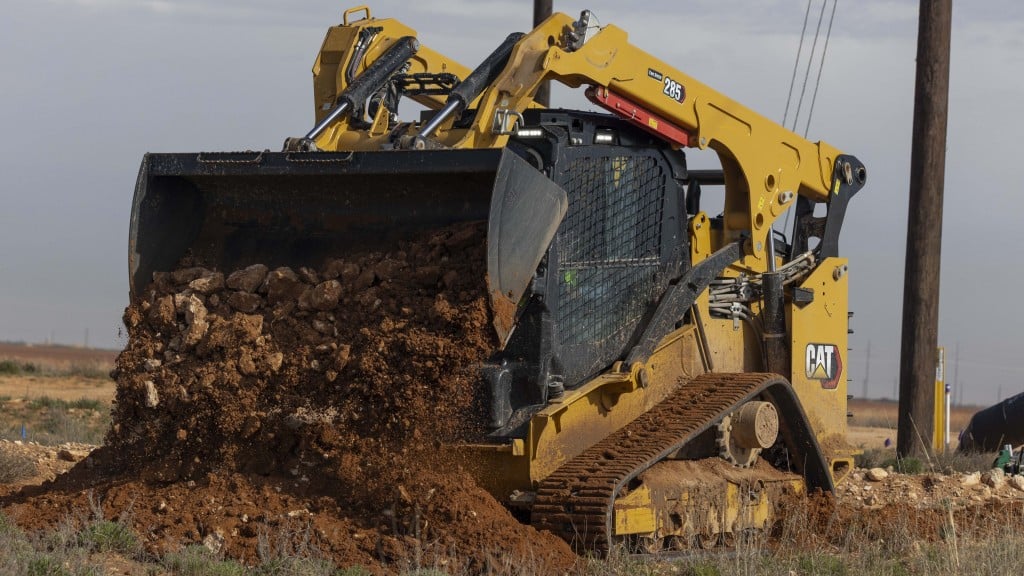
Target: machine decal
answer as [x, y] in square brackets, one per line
[673, 89]
[670, 87]
[822, 362]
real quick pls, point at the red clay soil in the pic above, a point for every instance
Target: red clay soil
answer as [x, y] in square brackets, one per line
[307, 408]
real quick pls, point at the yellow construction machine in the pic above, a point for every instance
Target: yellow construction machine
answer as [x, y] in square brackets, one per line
[668, 368]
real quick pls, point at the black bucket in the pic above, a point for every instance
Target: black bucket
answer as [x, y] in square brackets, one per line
[231, 210]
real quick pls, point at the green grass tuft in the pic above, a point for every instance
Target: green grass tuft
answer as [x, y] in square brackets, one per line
[353, 571]
[108, 536]
[905, 465]
[89, 404]
[48, 554]
[47, 403]
[46, 565]
[303, 566]
[15, 368]
[197, 560]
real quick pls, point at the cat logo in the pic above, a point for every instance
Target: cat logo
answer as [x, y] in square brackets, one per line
[823, 363]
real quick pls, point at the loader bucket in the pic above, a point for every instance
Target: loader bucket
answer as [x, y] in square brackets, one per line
[230, 210]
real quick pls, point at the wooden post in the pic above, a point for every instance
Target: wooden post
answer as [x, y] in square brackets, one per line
[924, 230]
[541, 12]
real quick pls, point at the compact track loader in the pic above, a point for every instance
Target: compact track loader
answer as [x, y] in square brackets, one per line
[668, 368]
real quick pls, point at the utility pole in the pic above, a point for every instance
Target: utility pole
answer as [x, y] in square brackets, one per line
[541, 12]
[867, 373]
[956, 377]
[924, 231]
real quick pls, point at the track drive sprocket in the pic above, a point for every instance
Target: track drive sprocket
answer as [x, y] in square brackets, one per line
[729, 449]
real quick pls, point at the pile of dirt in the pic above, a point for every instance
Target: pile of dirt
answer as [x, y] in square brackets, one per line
[313, 403]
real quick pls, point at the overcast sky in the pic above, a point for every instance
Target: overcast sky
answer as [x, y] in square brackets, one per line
[90, 85]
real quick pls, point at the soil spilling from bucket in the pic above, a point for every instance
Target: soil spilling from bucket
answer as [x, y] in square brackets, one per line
[277, 411]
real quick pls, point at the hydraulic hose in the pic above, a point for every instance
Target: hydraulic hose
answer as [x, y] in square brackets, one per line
[474, 84]
[370, 81]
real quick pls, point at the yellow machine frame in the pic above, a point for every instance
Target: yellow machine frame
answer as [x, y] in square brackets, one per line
[766, 168]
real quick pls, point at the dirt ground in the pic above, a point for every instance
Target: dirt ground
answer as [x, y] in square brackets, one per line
[225, 510]
[66, 388]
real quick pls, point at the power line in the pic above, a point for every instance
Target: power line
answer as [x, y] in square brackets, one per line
[796, 64]
[821, 66]
[807, 73]
[810, 60]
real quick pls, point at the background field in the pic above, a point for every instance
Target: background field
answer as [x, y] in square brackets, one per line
[55, 394]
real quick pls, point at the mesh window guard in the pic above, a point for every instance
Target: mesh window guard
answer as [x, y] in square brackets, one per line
[609, 249]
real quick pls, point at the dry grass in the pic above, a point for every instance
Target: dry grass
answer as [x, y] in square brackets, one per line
[93, 370]
[885, 414]
[48, 420]
[16, 467]
[948, 462]
[807, 542]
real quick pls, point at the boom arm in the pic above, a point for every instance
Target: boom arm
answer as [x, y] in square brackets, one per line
[348, 51]
[766, 166]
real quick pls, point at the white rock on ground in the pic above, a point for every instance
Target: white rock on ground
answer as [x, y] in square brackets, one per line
[877, 474]
[972, 479]
[214, 541]
[994, 478]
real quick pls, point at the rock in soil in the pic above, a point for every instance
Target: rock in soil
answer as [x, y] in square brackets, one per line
[331, 390]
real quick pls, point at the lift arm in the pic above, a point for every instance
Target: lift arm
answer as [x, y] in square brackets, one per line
[349, 50]
[766, 166]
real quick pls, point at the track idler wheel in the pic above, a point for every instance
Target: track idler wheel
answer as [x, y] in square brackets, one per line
[743, 434]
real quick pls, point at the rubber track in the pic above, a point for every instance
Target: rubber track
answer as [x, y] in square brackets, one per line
[576, 501]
